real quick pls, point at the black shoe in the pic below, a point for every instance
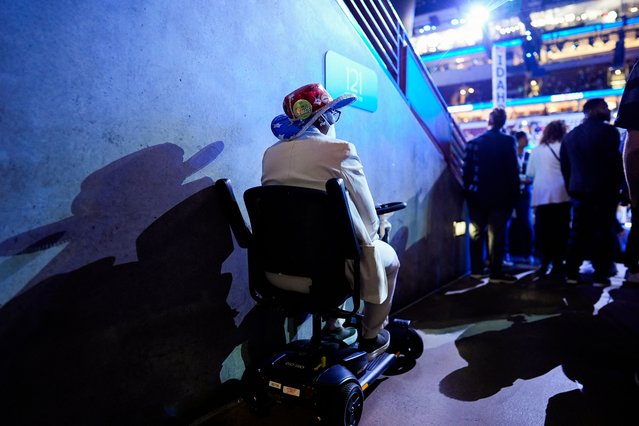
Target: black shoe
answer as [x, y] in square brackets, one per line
[377, 345]
[502, 278]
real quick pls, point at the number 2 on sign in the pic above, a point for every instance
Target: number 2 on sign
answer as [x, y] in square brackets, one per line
[354, 80]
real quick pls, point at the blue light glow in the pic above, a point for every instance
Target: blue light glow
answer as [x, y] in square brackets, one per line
[452, 53]
[539, 100]
[582, 30]
[509, 43]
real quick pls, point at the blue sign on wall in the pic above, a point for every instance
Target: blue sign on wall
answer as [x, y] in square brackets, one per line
[346, 76]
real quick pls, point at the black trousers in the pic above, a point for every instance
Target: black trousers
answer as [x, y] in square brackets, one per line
[520, 236]
[592, 234]
[552, 228]
[487, 224]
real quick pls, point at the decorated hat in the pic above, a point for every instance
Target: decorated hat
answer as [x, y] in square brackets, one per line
[305, 105]
[283, 128]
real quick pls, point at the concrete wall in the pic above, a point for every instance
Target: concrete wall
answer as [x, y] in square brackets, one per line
[123, 299]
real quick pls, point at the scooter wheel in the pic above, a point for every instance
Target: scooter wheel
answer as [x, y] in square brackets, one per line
[406, 341]
[414, 345]
[345, 406]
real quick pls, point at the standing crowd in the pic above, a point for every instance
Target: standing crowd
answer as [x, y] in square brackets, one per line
[573, 181]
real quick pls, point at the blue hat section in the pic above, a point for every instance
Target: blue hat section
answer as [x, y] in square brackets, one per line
[283, 128]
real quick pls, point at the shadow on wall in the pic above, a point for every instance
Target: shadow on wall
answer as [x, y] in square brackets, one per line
[438, 257]
[129, 324]
[114, 206]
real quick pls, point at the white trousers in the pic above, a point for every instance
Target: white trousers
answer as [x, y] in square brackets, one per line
[375, 315]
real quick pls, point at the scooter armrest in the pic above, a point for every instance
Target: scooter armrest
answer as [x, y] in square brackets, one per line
[390, 207]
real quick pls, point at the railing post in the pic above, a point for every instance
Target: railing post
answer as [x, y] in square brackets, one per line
[403, 51]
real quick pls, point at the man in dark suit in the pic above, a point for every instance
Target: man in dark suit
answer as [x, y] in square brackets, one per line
[593, 173]
[491, 183]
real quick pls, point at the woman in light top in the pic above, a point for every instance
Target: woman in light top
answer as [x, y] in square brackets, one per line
[550, 199]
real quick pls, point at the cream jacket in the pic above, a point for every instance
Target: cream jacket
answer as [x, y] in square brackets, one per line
[311, 160]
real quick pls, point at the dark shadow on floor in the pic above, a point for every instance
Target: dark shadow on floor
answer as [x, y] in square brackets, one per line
[551, 324]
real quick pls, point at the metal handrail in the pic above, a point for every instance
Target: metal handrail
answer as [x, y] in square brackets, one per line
[385, 32]
[385, 44]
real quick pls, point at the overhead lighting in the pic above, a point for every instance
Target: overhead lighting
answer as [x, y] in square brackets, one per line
[479, 14]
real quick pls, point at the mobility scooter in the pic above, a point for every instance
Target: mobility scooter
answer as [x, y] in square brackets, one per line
[309, 233]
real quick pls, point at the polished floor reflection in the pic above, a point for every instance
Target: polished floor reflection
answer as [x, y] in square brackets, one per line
[533, 353]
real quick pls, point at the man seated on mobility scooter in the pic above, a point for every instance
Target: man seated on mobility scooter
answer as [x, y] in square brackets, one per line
[308, 155]
[312, 243]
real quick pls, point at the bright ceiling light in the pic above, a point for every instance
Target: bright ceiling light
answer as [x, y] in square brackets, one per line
[479, 14]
